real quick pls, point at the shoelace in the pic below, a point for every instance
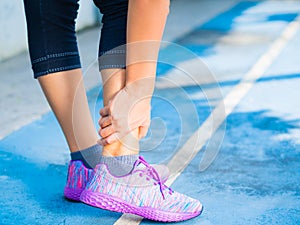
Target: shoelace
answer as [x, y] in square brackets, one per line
[152, 173]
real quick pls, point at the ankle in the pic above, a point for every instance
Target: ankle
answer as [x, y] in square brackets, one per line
[90, 156]
[128, 145]
[119, 165]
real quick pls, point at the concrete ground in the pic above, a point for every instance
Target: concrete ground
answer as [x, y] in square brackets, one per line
[225, 110]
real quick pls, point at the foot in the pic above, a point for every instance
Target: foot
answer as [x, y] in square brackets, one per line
[79, 175]
[142, 192]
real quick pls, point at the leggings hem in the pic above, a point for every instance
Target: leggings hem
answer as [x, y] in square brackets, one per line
[55, 70]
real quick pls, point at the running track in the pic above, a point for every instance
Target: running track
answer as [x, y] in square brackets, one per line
[252, 49]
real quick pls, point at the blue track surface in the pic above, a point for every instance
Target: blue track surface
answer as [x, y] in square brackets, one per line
[255, 178]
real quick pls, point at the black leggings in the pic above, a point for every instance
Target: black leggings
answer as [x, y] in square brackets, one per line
[52, 39]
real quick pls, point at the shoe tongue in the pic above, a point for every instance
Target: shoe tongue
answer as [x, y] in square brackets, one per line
[141, 166]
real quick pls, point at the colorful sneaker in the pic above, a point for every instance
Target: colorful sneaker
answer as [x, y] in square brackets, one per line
[141, 192]
[79, 175]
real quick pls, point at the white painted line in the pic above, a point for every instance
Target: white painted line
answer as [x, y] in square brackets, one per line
[217, 117]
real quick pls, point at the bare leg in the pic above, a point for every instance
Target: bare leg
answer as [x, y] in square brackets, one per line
[66, 95]
[114, 81]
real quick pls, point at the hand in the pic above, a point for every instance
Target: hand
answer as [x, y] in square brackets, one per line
[128, 110]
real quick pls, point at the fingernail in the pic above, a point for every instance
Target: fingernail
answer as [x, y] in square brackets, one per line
[100, 142]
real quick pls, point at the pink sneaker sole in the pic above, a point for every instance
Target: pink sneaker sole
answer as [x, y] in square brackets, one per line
[73, 193]
[111, 203]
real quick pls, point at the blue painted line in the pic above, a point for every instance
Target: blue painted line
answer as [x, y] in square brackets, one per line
[266, 78]
[286, 17]
[279, 77]
[225, 21]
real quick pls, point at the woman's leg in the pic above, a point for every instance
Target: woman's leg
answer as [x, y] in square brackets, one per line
[145, 25]
[112, 64]
[113, 54]
[56, 64]
[66, 95]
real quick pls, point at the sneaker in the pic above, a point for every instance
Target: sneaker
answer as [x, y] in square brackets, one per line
[141, 192]
[79, 175]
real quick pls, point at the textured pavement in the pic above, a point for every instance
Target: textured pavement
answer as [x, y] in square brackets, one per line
[255, 177]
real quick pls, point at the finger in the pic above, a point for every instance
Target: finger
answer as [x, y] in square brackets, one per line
[108, 140]
[104, 121]
[111, 139]
[143, 130]
[101, 142]
[104, 111]
[105, 132]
